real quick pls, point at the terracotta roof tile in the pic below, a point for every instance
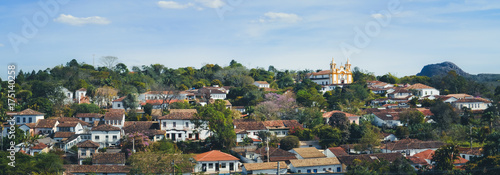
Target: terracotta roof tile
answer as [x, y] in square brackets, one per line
[338, 151]
[471, 100]
[214, 155]
[186, 114]
[390, 157]
[315, 162]
[46, 123]
[309, 152]
[417, 160]
[96, 169]
[114, 114]
[474, 151]
[67, 124]
[149, 128]
[427, 154]
[249, 125]
[275, 154]
[329, 114]
[281, 124]
[323, 72]
[63, 134]
[108, 158]
[105, 127]
[88, 144]
[419, 86]
[88, 115]
[27, 112]
[262, 82]
[119, 99]
[40, 146]
[264, 166]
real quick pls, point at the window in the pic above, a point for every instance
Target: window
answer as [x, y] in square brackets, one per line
[107, 137]
[157, 137]
[18, 120]
[84, 154]
[164, 124]
[174, 124]
[299, 171]
[463, 156]
[96, 137]
[30, 120]
[180, 135]
[115, 137]
[187, 124]
[223, 165]
[168, 135]
[330, 169]
[118, 104]
[24, 119]
[210, 166]
[315, 170]
[190, 135]
[339, 169]
[308, 170]
[324, 169]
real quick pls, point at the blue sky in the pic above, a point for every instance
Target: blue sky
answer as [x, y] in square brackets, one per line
[378, 36]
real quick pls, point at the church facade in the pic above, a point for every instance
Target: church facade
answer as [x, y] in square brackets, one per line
[335, 76]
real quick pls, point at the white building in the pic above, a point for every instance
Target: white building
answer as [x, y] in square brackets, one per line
[341, 75]
[80, 94]
[216, 161]
[89, 117]
[118, 103]
[46, 126]
[264, 168]
[423, 90]
[179, 127]
[67, 94]
[319, 165]
[472, 103]
[86, 149]
[252, 128]
[261, 84]
[27, 116]
[115, 117]
[106, 135]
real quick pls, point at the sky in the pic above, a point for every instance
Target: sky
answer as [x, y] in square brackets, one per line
[383, 36]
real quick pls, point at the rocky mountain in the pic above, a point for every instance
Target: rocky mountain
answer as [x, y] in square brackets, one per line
[441, 69]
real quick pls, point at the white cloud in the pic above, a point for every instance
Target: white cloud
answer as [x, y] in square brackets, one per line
[77, 21]
[211, 3]
[377, 15]
[280, 17]
[173, 5]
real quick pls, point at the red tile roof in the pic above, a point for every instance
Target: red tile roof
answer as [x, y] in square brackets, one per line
[119, 99]
[427, 154]
[108, 158]
[88, 115]
[27, 112]
[63, 134]
[40, 146]
[338, 151]
[88, 144]
[105, 127]
[281, 124]
[114, 114]
[471, 100]
[262, 82]
[46, 123]
[329, 114]
[419, 86]
[214, 155]
[249, 125]
[275, 154]
[474, 151]
[418, 160]
[185, 114]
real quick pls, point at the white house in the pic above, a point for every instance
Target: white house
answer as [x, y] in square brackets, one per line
[261, 84]
[118, 103]
[75, 127]
[399, 93]
[472, 103]
[67, 94]
[423, 90]
[319, 165]
[46, 126]
[216, 161]
[389, 118]
[280, 128]
[86, 149]
[27, 116]
[89, 117]
[59, 136]
[106, 135]
[80, 94]
[335, 152]
[469, 153]
[307, 153]
[410, 146]
[264, 168]
[74, 140]
[179, 127]
[39, 148]
[115, 117]
[252, 128]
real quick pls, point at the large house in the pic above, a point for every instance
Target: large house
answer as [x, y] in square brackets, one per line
[115, 117]
[410, 146]
[106, 135]
[423, 90]
[251, 128]
[307, 153]
[179, 127]
[86, 149]
[317, 165]
[280, 128]
[89, 117]
[148, 128]
[472, 103]
[27, 116]
[261, 84]
[353, 118]
[264, 168]
[216, 161]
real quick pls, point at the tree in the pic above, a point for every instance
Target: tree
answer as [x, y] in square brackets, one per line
[109, 61]
[491, 114]
[105, 94]
[48, 163]
[444, 115]
[289, 142]
[160, 163]
[412, 117]
[401, 166]
[484, 165]
[309, 117]
[329, 136]
[339, 120]
[219, 120]
[492, 145]
[370, 139]
[444, 157]
[138, 140]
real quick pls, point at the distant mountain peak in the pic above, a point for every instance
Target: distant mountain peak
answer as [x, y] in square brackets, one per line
[441, 69]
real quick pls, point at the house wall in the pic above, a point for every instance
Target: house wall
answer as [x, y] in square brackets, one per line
[279, 132]
[116, 123]
[218, 96]
[468, 156]
[183, 127]
[199, 166]
[103, 141]
[328, 153]
[425, 92]
[22, 119]
[117, 105]
[316, 169]
[84, 153]
[472, 105]
[240, 137]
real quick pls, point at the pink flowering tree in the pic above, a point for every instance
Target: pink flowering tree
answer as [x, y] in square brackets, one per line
[276, 106]
[139, 141]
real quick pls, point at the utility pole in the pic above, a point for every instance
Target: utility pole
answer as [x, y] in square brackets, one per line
[278, 168]
[173, 166]
[267, 148]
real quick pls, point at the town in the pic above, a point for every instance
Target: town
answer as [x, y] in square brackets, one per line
[80, 119]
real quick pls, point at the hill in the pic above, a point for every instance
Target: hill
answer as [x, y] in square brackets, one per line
[442, 69]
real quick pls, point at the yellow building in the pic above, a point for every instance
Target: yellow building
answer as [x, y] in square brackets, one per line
[341, 75]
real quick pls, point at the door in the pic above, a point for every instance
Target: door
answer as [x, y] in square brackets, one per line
[173, 136]
[217, 166]
[231, 166]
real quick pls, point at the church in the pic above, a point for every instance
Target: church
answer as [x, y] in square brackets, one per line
[335, 76]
